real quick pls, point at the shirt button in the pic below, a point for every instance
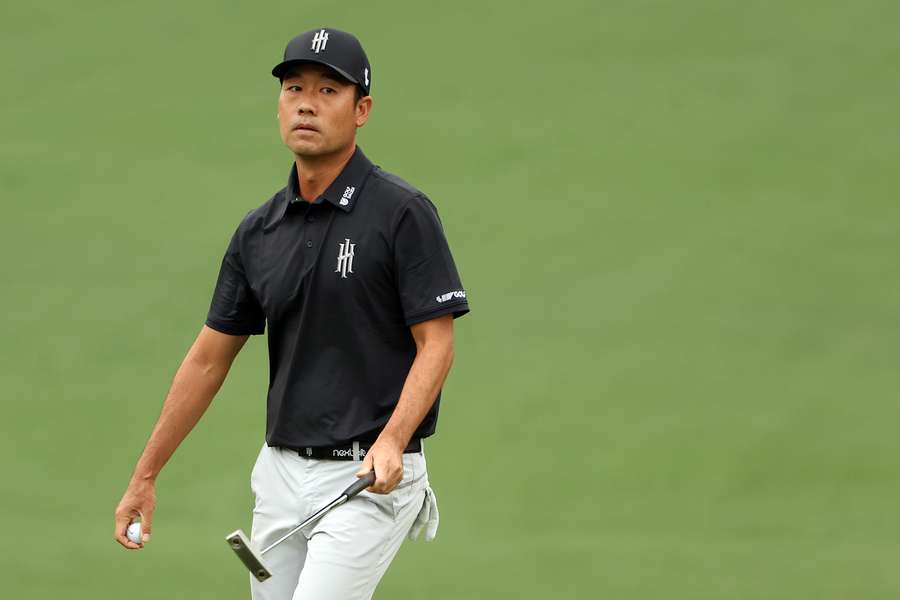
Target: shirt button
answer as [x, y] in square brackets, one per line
[309, 243]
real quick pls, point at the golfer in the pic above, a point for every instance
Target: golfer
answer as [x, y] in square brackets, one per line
[349, 268]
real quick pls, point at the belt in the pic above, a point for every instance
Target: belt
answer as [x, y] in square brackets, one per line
[352, 451]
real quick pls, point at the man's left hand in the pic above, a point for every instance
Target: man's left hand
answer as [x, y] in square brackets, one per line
[386, 457]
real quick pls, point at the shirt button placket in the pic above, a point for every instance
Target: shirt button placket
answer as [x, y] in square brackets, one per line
[309, 219]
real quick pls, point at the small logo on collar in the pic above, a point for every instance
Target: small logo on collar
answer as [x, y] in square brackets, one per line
[348, 193]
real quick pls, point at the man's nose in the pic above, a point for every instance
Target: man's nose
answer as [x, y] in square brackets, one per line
[305, 106]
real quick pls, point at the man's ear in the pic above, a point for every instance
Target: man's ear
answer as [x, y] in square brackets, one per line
[363, 108]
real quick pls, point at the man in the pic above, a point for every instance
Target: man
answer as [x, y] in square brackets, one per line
[349, 267]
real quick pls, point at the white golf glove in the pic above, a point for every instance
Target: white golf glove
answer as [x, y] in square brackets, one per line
[427, 519]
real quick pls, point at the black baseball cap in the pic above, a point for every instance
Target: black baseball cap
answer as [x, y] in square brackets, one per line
[330, 47]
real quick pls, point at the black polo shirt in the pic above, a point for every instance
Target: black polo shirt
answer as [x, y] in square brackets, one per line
[339, 282]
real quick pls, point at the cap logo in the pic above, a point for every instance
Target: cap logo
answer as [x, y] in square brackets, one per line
[366, 73]
[319, 41]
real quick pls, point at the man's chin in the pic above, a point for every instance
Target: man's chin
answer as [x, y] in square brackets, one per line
[311, 150]
[307, 149]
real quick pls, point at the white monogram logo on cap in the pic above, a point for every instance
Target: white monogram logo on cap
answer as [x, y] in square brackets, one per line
[366, 73]
[319, 41]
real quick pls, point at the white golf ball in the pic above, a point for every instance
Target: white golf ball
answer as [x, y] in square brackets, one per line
[134, 532]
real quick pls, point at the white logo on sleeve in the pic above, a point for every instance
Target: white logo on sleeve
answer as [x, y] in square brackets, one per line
[348, 193]
[319, 41]
[451, 295]
[345, 258]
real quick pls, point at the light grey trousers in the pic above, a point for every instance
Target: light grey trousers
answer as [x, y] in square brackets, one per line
[344, 555]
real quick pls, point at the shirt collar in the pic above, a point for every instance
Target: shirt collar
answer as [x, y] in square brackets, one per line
[343, 192]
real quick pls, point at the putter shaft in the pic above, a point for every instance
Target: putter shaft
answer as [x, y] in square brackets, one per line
[240, 543]
[313, 518]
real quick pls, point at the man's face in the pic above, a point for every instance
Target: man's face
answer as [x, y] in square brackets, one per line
[317, 111]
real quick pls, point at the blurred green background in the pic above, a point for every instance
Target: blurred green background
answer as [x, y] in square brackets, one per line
[676, 222]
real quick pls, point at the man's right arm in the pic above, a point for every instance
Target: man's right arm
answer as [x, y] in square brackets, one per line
[195, 384]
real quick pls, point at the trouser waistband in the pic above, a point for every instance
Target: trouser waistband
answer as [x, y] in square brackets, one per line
[352, 451]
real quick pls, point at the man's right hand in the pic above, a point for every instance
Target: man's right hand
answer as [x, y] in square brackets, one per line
[139, 501]
[198, 379]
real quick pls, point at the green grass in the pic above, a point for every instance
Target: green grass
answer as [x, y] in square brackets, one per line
[676, 222]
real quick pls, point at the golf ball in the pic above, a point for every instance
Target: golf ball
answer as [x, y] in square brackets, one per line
[134, 532]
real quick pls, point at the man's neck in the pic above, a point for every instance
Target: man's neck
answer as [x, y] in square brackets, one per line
[316, 173]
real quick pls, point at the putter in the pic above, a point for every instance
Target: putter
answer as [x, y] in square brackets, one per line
[240, 543]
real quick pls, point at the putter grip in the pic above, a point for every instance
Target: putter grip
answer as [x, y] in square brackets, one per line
[359, 485]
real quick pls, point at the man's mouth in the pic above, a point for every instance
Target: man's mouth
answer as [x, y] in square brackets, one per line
[305, 127]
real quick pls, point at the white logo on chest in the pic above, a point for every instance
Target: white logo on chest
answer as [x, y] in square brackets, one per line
[345, 258]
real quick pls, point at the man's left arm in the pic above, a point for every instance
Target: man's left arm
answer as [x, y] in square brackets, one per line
[434, 355]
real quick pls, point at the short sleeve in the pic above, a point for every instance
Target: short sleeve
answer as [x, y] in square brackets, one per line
[427, 281]
[234, 308]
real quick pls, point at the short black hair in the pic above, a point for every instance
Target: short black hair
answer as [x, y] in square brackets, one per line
[359, 92]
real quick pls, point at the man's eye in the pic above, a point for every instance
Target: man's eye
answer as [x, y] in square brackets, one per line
[294, 88]
[328, 89]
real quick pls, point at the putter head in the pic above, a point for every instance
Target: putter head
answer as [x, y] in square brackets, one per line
[239, 542]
